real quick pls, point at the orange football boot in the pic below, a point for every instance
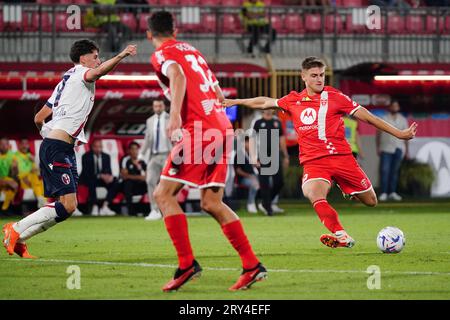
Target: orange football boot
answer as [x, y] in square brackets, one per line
[10, 238]
[182, 276]
[22, 250]
[333, 241]
[249, 277]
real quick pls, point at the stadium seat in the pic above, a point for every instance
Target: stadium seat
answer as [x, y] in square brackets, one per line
[294, 23]
[188, 2]
[1, 21]
[129, 20]
[45, 21]
[206, 3]
[353, 27]
[396, 24]
[231, 3]
[209, 23]
[168, 2]
[313, 22]
[277, 22]
[44, 1]
[349, 3]
[333, 22]
[61, 22]
[432, 24]
[231, 23]
[414, 24]
[143, 24]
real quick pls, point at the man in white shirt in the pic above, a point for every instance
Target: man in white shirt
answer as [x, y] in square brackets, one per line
[391, 151]
[158, 146]
[69, 105]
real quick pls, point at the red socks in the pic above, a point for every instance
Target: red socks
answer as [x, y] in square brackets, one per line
[327, 215]
[177, 228]
[236, 235]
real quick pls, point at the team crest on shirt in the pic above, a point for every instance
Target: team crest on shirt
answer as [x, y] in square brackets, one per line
[308, 116]
[364, 183]
[173, 171]
[65, 178]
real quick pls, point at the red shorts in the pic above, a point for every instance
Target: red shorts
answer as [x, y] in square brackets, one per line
[343, 169]
[201, 165]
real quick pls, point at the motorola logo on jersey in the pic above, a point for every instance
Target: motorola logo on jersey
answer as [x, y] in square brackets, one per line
[308, 116]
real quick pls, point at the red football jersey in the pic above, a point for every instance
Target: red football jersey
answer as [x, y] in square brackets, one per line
[200, 102]
[318, 121]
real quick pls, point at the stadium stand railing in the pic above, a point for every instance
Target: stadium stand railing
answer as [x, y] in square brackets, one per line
[42, 32]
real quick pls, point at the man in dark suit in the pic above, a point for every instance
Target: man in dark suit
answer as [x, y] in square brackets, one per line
[96, 172]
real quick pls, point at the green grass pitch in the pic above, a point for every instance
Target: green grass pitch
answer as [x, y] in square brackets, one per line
[129, 258]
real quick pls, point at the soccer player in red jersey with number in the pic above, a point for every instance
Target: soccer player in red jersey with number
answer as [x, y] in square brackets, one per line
[324, 152]
[196, 98]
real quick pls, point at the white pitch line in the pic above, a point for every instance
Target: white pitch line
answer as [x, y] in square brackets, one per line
[151, 265]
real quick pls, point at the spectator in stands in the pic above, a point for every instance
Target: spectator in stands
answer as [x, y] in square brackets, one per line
[133, 176]
[255, 22]
[437, 3]
[247, 174]
[8, 174]
[158, 147]
[352, 136]
[391, 151]
[271, 185]
[96, 172]
[29, 172]
[105, 17]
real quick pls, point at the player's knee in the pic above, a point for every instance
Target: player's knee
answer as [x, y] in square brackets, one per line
[159, 195]
[208, 205]
[371, 202]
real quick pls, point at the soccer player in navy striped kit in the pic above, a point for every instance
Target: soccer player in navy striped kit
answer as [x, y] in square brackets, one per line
[69, 105]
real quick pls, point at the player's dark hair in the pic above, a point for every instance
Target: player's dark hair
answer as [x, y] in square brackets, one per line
[161, 24]
[312, 62]
[133, 143]
[82, 47]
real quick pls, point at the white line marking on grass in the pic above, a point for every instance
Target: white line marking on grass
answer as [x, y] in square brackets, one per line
[167, 266]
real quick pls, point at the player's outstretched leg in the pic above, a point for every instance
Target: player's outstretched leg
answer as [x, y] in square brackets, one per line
[316, 191]
[253, 270]
[177, 227]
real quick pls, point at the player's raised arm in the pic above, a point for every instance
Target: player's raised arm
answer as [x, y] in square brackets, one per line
[177, 91]
[365, 115]
[40, 117]
[95, 73]
[253, 103]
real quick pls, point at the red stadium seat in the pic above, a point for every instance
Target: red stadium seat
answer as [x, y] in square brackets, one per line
[277, 22]
[333, 22]
[231, 3]
[61, 22]
[69, 2]
[143, 24]
[167, 2]
[209, 23]
[129, 20]
[44, 1]
[313, 22]
[45, 21]
[414, 24]
[350, 3]
[432, 24]
[353, 27]
[294, 23]
[231, 23]
[206, 3]
[396, 24]
[189, 2]
[1, 21]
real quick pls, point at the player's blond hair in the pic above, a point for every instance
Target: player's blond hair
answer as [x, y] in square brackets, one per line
[312, 62]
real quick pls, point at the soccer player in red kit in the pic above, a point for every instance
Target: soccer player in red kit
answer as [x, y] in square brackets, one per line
[323, 150]
[196, 98]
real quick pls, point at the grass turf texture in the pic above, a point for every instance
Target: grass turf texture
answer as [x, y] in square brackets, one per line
[142, 258]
